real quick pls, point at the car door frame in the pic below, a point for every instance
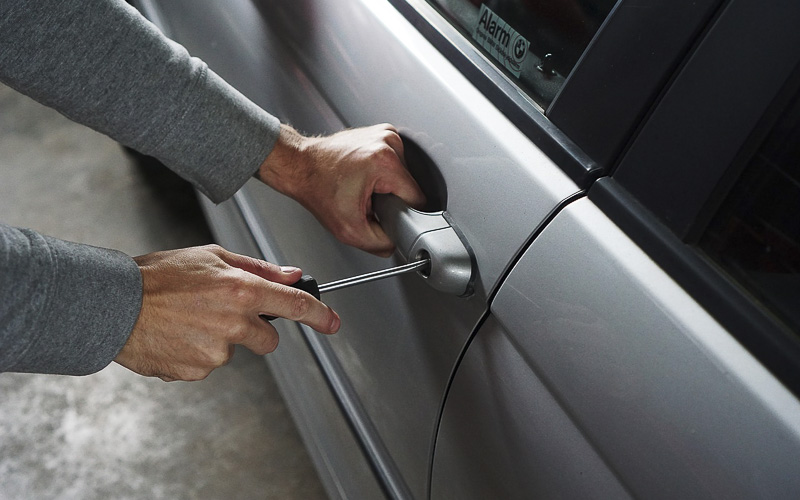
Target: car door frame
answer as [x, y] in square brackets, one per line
[663, 194]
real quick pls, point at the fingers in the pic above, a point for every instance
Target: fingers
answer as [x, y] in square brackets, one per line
[401, 184]
[198, 302]
[363, 232]
[262, 337]
[394, 177]
[374, 241]
[297, 305]
[393, 139]
[334, 178]
[379, 244]
[265, 290]
[286, 275]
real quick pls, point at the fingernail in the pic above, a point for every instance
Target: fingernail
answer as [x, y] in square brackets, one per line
[289, 269]
[336, 323]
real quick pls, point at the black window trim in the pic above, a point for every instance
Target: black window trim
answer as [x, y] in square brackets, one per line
[623, 71]
[593, 116]
[678, 174]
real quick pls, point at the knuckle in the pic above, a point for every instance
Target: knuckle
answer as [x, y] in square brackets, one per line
[216, 358]
[265, 343]
[344, 231]
[186, 374]
[268, 267]
[349, 235]
[300, 304]
[385, 154]
[270, 344]
[196, 374]
[237, 333]
[213, 248]
[388, 161]
[238, 290]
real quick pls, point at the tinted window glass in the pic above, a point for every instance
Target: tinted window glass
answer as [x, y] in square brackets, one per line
[535, 42]
[756, 234]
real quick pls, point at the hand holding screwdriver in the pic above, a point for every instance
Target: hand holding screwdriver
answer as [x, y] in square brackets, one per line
[307, 283]
[197, 303]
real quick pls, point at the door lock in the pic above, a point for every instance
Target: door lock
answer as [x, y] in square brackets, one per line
[427, 235]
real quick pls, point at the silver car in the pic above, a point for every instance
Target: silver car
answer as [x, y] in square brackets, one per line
[613, 304]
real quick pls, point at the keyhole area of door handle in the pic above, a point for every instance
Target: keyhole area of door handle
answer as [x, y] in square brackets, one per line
[425, 272]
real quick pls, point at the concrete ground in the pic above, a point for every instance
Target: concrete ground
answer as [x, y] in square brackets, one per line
[116, 434]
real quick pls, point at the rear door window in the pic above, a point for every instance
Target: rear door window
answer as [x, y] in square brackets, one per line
[535, 43]
[755, 236]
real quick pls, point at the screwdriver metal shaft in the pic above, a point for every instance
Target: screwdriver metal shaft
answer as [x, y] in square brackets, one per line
[377, 275]
[308, 284]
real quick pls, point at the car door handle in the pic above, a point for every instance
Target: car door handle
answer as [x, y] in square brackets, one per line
[420, 235]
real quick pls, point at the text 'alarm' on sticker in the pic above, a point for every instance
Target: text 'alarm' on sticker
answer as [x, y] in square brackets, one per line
[501, 40]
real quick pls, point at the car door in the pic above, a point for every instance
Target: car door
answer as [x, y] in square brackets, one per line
[646, 345]
[323, 66]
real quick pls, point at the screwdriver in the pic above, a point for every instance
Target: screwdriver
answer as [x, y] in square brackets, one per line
[308, 283]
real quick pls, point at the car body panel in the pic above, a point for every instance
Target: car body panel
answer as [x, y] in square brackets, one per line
[674, 405]
[504, 435]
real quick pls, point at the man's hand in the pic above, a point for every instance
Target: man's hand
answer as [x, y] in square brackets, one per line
[199, 302]
[334, 178]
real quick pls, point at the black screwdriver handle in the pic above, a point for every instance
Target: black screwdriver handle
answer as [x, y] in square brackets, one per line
[306, 283]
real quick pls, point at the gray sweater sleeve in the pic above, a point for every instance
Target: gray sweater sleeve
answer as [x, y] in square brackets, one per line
[64, 308]
[68, 308]
[102, 64]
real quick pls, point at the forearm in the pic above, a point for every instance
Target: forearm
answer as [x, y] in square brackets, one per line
[64, 308]
[101, 64]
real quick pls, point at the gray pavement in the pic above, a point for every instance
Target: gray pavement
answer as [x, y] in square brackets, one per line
[116, 434]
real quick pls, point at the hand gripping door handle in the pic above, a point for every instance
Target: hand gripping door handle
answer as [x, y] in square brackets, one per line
[419, 235]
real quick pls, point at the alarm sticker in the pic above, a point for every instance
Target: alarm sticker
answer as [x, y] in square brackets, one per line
[501, 40]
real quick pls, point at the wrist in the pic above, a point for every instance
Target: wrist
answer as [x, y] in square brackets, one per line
[286, 167]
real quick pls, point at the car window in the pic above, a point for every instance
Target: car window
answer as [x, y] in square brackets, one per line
[755, 236]
[536, 43]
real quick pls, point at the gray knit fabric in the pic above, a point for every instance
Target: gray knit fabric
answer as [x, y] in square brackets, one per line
[67, 308]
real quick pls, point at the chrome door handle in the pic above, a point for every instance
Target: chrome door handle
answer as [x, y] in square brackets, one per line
[418, 235]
